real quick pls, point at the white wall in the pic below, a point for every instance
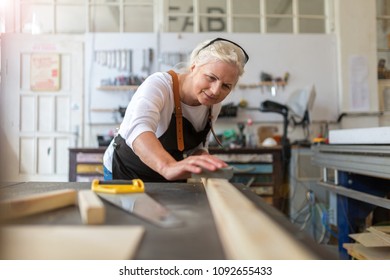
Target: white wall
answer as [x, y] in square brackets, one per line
[357, 42]
[310, 60]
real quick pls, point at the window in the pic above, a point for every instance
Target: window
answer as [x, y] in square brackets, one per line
[36, 17]
[383, 24]
[383, 37]
[256, 16]
[240, 16]
[179, 16]
[66, 11]
[311, 16]
[80, 16]
[280, 16]
[246, 18]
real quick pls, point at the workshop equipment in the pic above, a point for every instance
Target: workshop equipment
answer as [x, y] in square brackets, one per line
[131, 197]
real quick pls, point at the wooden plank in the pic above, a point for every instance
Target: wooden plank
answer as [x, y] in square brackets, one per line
[385, 229]
[380, 233]
[368, 239]
[91, 208]
[360, 252]
[245, 231]
[69, 242]
[37, 203]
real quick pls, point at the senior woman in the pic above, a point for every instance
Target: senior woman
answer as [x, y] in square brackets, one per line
[164, 133]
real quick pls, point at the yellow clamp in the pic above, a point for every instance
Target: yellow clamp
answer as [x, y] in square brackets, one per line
[116, 187]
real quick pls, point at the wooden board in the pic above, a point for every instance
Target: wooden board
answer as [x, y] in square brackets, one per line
[368, 239]
[36, 203]
[69, 242]
[92, 209]
[360, 252]
[381, 232]
[245, 231]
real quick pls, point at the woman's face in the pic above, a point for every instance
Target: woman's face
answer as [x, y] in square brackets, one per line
[213, 81]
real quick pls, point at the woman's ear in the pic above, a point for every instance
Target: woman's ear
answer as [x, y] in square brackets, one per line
[192, 67]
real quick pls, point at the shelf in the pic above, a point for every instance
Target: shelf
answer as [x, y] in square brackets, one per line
[118, 88]
[262, 84]
[85, 164]
[260, 167]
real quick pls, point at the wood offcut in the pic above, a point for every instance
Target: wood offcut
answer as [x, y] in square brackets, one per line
[91, 209]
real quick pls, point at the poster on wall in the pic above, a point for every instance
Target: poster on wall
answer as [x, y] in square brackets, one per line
[358, 83]
[45, 72]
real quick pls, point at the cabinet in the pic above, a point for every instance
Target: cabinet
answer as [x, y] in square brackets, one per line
[260, 169]
[85, 164]
[361, 182]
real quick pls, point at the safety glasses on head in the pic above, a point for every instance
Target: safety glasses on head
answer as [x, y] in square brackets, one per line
[226, 40]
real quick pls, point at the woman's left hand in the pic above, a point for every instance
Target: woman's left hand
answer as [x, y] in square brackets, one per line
[193, 164]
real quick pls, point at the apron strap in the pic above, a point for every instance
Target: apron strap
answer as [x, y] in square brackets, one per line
[178, 111]
[211, 127]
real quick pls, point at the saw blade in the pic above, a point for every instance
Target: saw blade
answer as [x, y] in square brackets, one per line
[143, 206]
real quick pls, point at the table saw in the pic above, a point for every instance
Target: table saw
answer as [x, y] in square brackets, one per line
[197, 239]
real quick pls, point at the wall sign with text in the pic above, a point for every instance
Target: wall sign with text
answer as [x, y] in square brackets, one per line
[45, 72]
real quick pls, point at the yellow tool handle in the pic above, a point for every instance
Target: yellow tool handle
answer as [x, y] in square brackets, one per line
[119, 186]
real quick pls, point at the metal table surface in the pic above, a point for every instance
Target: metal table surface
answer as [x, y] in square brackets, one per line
[197, 239]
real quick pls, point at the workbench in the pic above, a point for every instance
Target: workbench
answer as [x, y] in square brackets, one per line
[197, 239]
[260, 168]
[360, 177]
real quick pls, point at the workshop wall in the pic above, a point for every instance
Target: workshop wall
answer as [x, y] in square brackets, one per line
[309, 60]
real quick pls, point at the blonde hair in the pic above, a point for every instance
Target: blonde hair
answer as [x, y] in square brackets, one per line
[221, 50]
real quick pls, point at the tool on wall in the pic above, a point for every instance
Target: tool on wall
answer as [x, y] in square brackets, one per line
[144, 59]
[130, 61]
[173, 58]
[150, 60]
[117, 59]
[130, 196]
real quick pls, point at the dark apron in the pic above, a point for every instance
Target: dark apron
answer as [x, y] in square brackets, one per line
[126, 165]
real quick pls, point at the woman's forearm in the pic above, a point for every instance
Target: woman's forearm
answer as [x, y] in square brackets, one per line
[149, 149]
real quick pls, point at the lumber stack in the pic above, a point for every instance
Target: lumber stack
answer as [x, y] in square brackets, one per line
[371, 245]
